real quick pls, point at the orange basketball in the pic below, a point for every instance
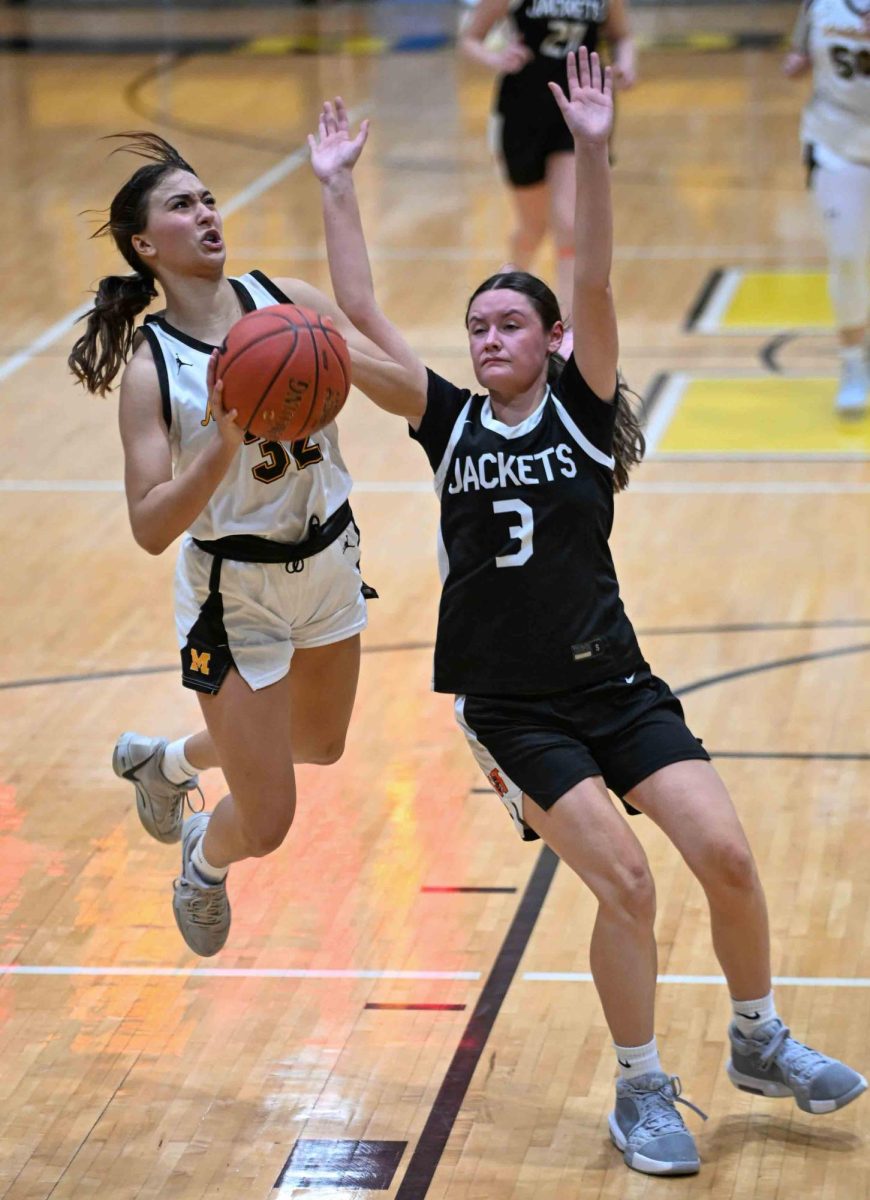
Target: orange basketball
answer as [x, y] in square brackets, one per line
[286, 370]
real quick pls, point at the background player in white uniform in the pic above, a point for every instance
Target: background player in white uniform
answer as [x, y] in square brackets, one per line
[532, 142]
[554, 693]
[268, 564]
[832, 40]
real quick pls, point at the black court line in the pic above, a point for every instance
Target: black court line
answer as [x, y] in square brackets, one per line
[489, 891]
[419, 1007]
[773, 665]
[796, 756]
[769, 353]
[703, 299]
[403, 647]
[651, 395]
[445, 1109]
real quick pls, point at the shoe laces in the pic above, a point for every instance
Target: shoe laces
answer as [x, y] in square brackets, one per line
[784, 1051]
[658, 1114]
[205, 906]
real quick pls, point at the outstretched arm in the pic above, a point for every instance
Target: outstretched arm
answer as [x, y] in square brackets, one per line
[333, 155]
[588, 113]
[798, 61]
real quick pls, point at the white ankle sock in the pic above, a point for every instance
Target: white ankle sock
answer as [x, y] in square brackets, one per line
[174, 765]
[637, 1060]
[204, 868]
[852, 354]
[749, 1014]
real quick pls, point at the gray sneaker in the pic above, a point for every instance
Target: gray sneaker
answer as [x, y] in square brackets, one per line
[646, 1126]
[772, 1063]
[202, 910]
[160, 804]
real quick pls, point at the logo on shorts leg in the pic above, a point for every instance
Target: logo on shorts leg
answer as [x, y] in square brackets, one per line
[495, 778]
[200, 662]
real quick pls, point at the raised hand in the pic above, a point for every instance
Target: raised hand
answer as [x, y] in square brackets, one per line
[588, 107]
[332, 148]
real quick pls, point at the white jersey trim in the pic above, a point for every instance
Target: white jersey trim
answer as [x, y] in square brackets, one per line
[455, 435]
[582, 441]
[491, 422]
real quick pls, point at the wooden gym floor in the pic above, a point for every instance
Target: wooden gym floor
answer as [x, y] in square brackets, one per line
[404, 1007]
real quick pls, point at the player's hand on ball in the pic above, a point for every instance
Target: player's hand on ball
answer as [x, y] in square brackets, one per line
[588, 107]
[332, 148]
[232, 435]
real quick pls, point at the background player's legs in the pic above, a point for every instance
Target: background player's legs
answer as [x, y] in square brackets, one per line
[561, 184]
[690, 803]
[531, 215]
[595, 841]
[842, 192]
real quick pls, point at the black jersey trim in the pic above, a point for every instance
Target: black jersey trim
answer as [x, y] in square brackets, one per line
[271, 287]
[248, 304]
[162, 373]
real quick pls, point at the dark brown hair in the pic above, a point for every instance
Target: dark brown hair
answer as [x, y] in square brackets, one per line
[101, 351]
[628, 440]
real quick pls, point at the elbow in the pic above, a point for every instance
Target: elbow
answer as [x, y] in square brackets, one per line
[150, 540]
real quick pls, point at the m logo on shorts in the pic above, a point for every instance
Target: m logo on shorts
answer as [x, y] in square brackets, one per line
[199, 662]
[495, 778]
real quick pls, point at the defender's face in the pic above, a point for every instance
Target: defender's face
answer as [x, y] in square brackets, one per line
[508, 342]
[184, 232]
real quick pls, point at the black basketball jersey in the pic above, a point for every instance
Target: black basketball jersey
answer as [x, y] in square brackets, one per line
[551, 29]
[530, 602]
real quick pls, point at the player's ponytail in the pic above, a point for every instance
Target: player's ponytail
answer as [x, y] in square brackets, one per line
[101, 351]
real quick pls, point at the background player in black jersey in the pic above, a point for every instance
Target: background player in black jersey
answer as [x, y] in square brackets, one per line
[552, 690]
[531, 139]
[273, 656]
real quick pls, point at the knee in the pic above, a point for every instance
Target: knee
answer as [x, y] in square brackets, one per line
[323, 754]
[631, 894]
[265, 831]
[730, 868]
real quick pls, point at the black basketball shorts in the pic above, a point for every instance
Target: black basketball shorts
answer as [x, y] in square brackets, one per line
[525, 134]
[624, 730]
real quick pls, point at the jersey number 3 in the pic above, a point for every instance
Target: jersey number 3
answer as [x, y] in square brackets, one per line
[522, 532]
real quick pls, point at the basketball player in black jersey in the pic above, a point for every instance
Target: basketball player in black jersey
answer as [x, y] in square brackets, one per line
[552, 689]
[532, 141]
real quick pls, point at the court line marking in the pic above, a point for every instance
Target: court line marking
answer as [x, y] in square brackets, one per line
[718, 980]
[709, 318]
[257, 187]
[724, 487]
[235, 972]
[465, 254]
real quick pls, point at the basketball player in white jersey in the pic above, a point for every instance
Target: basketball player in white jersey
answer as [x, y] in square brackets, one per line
[529, 135]
[832, 40]
[551, 688]
[269, 601]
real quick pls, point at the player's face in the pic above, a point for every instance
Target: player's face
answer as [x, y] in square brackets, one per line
[184, 232]
[508, 342]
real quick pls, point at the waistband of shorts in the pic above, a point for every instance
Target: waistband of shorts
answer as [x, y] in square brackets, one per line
[244, 547]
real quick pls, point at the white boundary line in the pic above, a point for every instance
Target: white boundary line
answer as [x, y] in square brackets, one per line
[260, 185]
[718, 980]
[664, 409]
[235, 972]
[720, 487]
[709, 320]
[341, 973]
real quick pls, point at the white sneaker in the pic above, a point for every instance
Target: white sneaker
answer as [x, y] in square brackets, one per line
[160, 804]
[852, 394]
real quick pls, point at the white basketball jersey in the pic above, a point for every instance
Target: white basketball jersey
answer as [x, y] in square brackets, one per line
[836, 35]
[272, 489]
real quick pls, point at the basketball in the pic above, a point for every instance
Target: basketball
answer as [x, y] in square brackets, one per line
[286, 371]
